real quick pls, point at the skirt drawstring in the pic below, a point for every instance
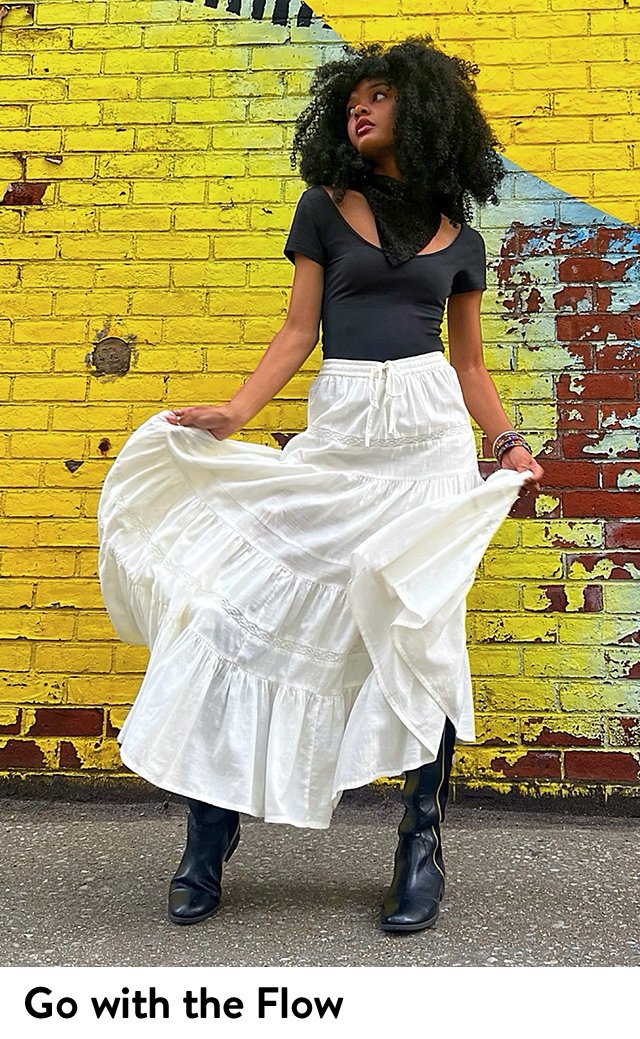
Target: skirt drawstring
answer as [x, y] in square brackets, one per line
[385, 381]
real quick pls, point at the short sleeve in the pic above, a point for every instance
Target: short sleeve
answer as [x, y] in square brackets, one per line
[305, 233]
[473, 271]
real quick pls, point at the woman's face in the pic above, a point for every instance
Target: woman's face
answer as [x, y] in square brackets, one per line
[373, 102]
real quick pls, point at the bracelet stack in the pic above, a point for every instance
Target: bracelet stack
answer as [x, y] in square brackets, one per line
[505, 441]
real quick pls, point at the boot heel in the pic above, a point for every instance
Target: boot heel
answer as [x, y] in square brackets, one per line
[235, 840]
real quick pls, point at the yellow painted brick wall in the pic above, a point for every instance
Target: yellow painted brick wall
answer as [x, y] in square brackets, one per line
[159, 134]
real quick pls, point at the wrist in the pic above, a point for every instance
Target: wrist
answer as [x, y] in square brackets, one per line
[235, 413]
[508, 454]
[506, 441]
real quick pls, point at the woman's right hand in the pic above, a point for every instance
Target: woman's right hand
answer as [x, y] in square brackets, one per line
[518, 458]
[220, 421]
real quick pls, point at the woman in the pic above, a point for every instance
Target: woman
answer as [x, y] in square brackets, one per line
[305, 607]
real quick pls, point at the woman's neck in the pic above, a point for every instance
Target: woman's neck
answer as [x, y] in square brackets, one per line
[388, 167]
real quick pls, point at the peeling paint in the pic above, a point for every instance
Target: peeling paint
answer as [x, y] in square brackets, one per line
[617, 568]
[614, 444]
[546, 504]
[628, 478]
[6, 9]
[622, 421]
[561, 286]
[572, 533]
[585, 599]
[24, 193]
[283, 438]
[632, 638]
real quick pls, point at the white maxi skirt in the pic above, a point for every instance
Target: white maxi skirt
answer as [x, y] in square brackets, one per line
[304, 607]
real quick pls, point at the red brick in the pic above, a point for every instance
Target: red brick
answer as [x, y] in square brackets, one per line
[622, 535]
[67, 721]
[612, 239]
[282, 439]
[110, 728]
[557, 596]
[21, 754]
[619, 416]
[603, 298]
[592, 599]
[595, 327]
[605, 765]
[567, 243]
[583, 352]
[589, 561]
[524, 507]
[600, 503]
[13, 727]
[572, 297]
[551, 451]
[632, 638]
[524, 299]
[612, 470]
[624, 732]
[559, 474]
[547, 737]
[535, 764]
[578, 416]
[595, 386]
[574, 444]
[593, 269]
[69, 756]
[619, 355]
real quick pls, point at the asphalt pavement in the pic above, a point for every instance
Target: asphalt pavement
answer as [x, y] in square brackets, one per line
[86, 884]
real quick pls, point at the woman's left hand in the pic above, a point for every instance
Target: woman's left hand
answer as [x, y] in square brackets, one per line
[518, 458]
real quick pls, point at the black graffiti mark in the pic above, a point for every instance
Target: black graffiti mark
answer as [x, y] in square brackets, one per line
[280, 15]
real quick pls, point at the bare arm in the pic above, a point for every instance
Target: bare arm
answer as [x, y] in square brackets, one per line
[286, 352]
[478, 389]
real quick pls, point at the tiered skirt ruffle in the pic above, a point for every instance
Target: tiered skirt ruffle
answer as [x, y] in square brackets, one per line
[304, 608]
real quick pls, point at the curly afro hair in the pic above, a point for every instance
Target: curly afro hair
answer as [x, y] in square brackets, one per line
[444, 146]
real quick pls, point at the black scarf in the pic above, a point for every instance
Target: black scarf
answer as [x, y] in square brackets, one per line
[404, 226]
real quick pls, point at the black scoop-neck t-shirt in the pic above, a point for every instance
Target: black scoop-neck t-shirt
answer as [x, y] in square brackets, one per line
[370, 310]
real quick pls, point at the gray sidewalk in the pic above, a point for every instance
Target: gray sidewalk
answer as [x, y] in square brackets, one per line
[86, 885]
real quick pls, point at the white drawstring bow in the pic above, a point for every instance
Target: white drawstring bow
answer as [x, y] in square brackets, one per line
[384, 381]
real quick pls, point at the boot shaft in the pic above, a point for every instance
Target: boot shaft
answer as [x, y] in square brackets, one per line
[426, 789]
[211, 833]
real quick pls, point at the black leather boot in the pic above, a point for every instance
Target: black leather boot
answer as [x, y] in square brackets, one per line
[412, 903]
[212, 837]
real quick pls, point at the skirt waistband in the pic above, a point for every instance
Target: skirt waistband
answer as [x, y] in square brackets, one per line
[386, 381]
[365, 369]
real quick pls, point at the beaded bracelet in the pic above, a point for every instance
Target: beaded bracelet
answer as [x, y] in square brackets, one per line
[508, 442]
[508, 434]
[505, 441]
